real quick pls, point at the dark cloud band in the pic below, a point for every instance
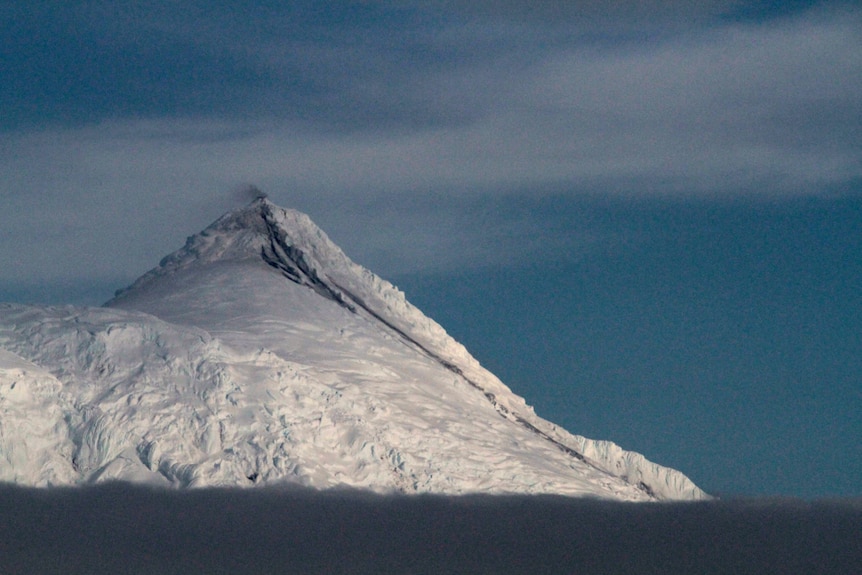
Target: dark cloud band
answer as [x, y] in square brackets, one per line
[122, 529]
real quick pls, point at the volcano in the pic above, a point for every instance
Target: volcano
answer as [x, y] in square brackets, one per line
[260, 354]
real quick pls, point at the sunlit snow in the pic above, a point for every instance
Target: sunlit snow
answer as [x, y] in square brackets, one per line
[260, 354]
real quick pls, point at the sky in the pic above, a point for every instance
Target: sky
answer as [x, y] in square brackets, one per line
[644, 216]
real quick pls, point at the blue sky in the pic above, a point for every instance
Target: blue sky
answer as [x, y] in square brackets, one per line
[643, 216]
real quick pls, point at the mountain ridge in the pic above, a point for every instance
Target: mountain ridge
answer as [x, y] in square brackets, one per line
[352, 347]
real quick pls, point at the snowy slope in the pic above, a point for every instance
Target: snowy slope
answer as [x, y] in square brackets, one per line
[259, 353]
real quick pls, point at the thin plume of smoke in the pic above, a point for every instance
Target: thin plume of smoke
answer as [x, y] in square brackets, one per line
[123, 529]
[248, 193]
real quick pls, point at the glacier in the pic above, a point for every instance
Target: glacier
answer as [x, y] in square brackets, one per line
[260, 354]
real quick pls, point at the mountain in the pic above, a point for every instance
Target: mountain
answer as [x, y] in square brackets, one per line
[259, 353]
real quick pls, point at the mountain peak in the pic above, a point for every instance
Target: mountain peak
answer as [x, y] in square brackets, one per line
[282, 238]
[264, 240]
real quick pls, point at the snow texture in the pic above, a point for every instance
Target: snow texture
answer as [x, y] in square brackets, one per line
[259, 354]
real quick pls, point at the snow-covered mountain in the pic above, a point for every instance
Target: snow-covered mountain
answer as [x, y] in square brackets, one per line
[260, 354]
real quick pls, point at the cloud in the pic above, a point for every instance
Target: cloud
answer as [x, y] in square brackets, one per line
[751, 105]
[762, 109]
[167, 113]
[116, 527]
[148, 185]
[621, 16]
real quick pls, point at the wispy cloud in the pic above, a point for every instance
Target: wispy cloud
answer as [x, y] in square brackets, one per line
[142, 118]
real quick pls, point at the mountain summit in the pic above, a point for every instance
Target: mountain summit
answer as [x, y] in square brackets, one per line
[259, 353]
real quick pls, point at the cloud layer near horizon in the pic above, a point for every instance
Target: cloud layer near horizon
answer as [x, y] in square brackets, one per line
[120, 528]
[142, 118]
